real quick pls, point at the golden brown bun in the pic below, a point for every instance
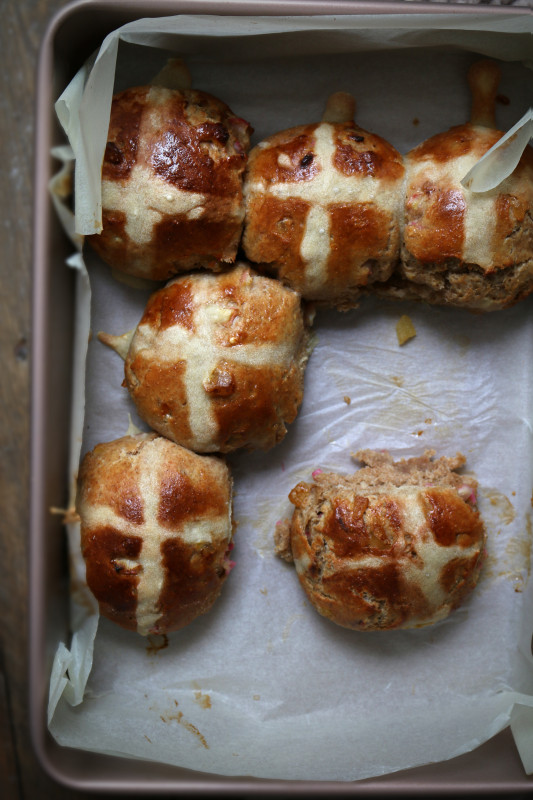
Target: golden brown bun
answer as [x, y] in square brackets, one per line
[217, 361]
[171, 182]
[156, 530]
[396, 545]
[323, 206]
[459, 247]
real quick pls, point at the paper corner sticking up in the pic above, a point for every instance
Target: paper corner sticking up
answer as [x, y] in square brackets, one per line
[501, 160]
[71, 668]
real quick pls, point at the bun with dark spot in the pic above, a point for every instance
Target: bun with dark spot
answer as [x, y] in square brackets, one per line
[171, 183]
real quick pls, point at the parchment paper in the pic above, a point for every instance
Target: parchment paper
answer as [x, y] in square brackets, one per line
[262, 685]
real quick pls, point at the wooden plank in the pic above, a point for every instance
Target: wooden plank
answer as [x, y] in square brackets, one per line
[10, 788]
[23, 24]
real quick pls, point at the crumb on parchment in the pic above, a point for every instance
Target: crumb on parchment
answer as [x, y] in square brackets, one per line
[405, 329]
[282, 540]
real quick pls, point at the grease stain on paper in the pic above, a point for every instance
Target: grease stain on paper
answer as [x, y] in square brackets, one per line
[406, 405]
[501, 504]
[263, 523]
[156, 642]
[520, 551]
[177, 716]
[514, 562]
[200, 697]
[288, 625]
[463, 343]
[203, 700]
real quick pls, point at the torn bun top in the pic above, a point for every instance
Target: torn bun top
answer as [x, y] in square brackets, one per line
[323, 206]
[171, 182]
[217, 361]
[396, 545]
[156, 531]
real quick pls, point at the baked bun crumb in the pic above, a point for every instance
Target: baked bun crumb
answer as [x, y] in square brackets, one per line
[171, 182]
[396, 545]
[217, 361]
[323, 205]
[156, 531]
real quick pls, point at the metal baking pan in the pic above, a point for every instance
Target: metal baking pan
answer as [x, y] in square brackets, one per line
[72, 35]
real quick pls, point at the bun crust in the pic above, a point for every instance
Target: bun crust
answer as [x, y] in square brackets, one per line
[397, 545]
[322, 209]
[171, 182]
[217, 361]
[156, 530]
[461, 248]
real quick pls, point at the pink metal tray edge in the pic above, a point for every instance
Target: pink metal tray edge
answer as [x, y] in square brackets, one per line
[494, 768]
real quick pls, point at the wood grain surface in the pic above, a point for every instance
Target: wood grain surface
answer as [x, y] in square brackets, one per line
[21, 30]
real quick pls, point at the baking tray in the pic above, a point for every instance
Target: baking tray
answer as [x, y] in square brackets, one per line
[72, 35]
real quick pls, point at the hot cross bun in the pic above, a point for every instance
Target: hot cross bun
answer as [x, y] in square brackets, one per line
[396, 545]
[171, 182]
[323, 206]
[463, 248]
[217, 361]
[156, 531]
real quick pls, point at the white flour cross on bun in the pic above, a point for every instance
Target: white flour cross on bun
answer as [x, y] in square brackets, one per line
[146, 199]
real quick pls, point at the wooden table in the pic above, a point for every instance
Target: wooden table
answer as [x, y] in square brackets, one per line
[21, 31]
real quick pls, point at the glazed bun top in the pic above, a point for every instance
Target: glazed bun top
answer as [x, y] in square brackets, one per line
[156, 530]
[171, 182]
[323, 206]
[217, 361]
[461, 247]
